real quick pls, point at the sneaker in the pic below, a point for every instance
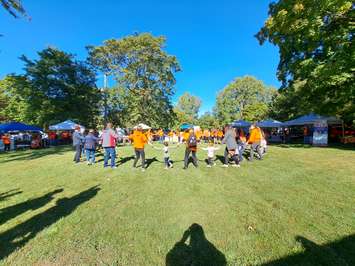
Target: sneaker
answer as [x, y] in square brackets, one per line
[236, 165]
[225, 165]
[209, 166]
[166, 168]
[143, 169]
[113, 167]
[88, 163]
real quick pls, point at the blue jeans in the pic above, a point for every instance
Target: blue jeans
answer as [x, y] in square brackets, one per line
[110, 153]
[90, 155]
[241, 148]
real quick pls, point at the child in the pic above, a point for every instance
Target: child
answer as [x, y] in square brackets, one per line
[210, 153]
[167, 161]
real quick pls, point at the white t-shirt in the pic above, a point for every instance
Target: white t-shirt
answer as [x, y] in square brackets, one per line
[210, 151]
[166, 152]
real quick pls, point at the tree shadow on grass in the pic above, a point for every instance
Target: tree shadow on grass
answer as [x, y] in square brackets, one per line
[33, 154]
[199, 251]
[19, 235]
[11, 212]
[10, 193]
[340, 252]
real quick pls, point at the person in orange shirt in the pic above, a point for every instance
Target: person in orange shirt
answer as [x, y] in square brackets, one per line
[255, 141]
[6, 140]
[219, 135]
[139, 140]
[206, 135]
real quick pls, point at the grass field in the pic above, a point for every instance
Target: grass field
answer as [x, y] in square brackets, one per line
[296, 207]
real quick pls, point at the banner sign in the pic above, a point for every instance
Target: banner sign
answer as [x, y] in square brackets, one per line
[320, 133]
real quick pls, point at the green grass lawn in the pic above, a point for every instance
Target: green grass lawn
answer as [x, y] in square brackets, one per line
[296, 207]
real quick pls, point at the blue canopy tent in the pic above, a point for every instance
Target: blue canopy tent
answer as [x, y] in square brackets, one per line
[310, 119]
[66, 125]
[186, 126]
[240, 123]
[16, 126]
[270, 123]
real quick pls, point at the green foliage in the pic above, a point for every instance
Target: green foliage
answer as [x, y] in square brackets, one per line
[54, 88]
[13, 106]
[145, 75]
[208, 120]
[317, 54]
[187, 108]
[14, 7]
[245, 98]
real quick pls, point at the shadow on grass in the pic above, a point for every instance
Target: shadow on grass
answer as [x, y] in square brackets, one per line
[10, 193]
[148, 162]
[340, 252]
[124, 160]
[33, 154]
[19, 235]
[11, 212]
[199, 251]
[338, 146]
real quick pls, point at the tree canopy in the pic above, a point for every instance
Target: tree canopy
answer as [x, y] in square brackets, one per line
[54, 88]
[317, 53]
[14, 7]
[144, 73]
[187, 108]
[244, 98]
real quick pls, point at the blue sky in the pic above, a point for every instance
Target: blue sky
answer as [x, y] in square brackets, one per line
[213, 40]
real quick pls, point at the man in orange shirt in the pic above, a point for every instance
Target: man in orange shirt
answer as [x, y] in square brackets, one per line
[139, 140]
[255, 140]
[6, 140]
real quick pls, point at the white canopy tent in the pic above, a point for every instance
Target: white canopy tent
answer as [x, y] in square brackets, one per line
[66, 125]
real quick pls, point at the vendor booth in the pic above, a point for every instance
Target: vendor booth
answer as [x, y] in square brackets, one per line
[314, 127]
[21, 135]
[272, 130]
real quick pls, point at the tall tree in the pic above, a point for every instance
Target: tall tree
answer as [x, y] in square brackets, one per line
[317, 54]
[145, 73]
[208, 120]
[244, 98]
[54, 88]
[14, 7]
[188, 107]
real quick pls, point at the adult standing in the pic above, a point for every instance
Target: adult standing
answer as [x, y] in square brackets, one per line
[255, 140]
[139, 140]
[191, 147]
[90, 144]
[77, 143]
[6, 140]
[109, 138]
[231, 147]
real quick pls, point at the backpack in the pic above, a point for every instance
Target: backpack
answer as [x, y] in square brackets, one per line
[192, 141]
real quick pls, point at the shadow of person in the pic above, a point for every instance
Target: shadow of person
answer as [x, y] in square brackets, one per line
[11, 212]
[339, 252]
[220, 158]
[199, 252]
[148, 162]
[10, 193]
[16, 237]
[125, 160]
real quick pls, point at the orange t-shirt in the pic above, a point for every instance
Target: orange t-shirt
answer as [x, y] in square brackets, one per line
[139, 139]
[185, 136]
[220, 133]
[5, 139]
[255, 135]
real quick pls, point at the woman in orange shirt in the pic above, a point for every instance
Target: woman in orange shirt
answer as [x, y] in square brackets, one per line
[139, 140]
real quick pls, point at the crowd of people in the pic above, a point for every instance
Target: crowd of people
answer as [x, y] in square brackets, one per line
[236, 141]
